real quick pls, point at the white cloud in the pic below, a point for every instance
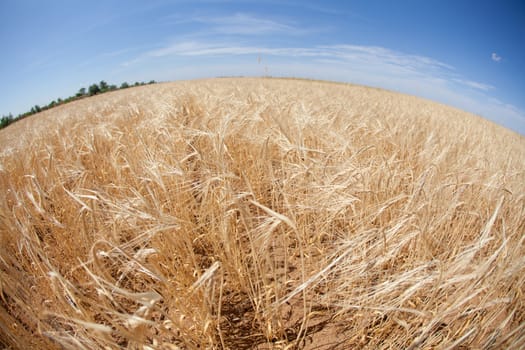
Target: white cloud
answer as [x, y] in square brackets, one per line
[474, 84]
[245, 24]
[495, 57]
[387, 56]
[241, 24]
[371, 55]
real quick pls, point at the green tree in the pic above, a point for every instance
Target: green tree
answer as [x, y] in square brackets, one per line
[103, 86]
[81, 92]
[94, 89]
[124, 85]
[6, 120]
[35, 109]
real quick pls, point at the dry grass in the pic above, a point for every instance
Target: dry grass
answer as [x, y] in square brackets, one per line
[261, 213]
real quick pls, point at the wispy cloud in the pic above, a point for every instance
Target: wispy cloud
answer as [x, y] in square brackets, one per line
[199, 48]
[369, 54]
[384, 56]
[239, 24]
[246, 24]
[474, 84]
[495, 57]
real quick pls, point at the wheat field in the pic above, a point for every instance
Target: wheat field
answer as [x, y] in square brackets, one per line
[244, 213]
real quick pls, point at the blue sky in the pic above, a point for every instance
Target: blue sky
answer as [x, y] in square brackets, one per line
[468, 54]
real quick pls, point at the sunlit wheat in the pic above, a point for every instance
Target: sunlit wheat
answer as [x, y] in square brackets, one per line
[261, 213]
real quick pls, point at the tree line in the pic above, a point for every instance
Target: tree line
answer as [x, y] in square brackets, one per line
[93, 89]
